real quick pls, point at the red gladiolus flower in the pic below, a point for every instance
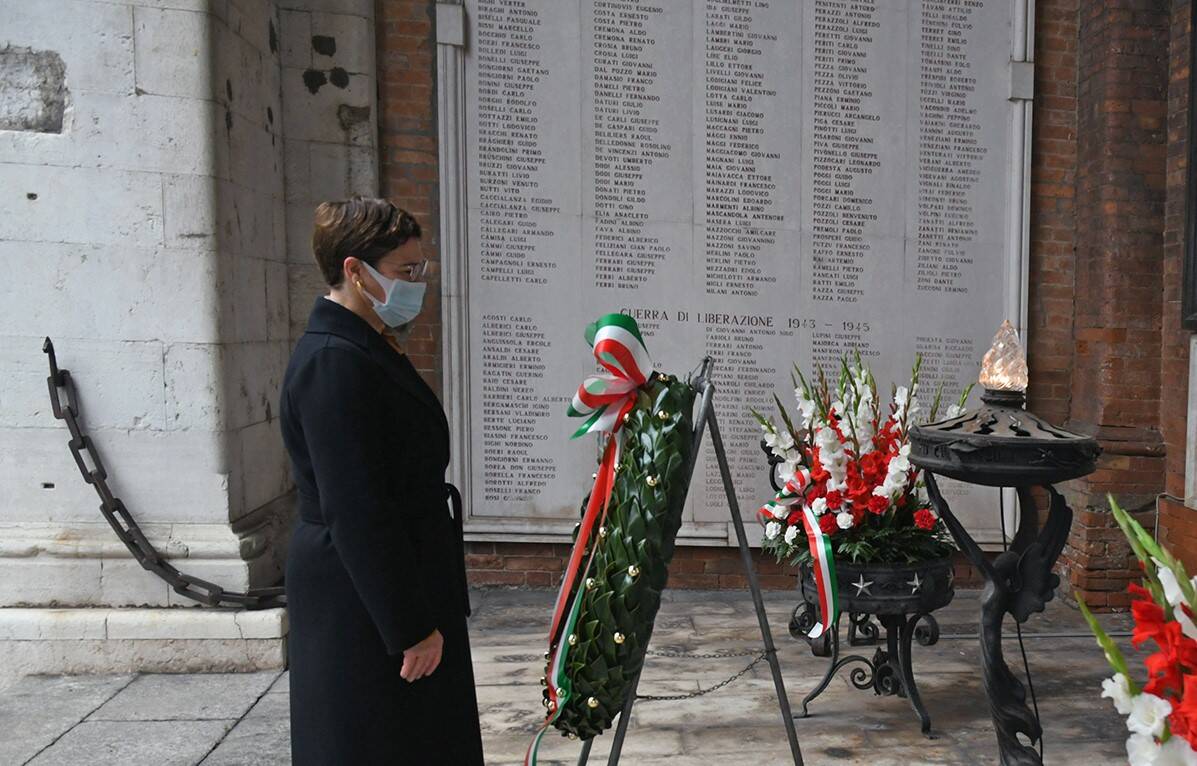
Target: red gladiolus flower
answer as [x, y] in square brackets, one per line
[924, 519]
[1149, 617]
[827, 524]
[878, 504]
[794, 518]
[1183, 720]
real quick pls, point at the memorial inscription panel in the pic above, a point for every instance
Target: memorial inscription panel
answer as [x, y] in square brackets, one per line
[765, 181]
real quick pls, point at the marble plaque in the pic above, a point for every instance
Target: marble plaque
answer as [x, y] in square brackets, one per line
[766, 181]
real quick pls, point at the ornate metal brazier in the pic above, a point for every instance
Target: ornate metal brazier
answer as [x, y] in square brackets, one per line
[1000, 444]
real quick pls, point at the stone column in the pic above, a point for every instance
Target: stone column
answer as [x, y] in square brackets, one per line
[151, 158]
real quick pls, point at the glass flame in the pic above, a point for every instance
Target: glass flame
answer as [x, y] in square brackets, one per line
[1005, 365]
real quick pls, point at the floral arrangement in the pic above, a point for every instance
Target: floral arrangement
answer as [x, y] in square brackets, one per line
[1162, 715]
[845, 460]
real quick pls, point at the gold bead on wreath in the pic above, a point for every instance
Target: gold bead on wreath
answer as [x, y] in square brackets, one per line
[602, 531]
[627, 416]
[662, 377]
[573, 639]
[548, 655]
[662, 415]
[591, 702]
[589, 583]
[545, 702]
[544, 682]
[619, 639]
[572, 735]
[633, 570]
[651, 481]
[594, 477]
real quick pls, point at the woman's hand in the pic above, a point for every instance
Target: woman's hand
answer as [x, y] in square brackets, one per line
[421, 659]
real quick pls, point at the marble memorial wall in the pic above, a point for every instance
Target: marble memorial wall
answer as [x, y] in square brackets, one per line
[765, 181]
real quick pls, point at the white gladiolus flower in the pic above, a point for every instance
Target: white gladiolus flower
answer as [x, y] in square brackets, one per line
[781, 443]
[772, 529]
[843, 519]
[1116, 689]
[954, 411]
[819, 506]
[791, 533]
[1175, 752]
[779, 511]
[1175, 597]
[1141, 750]
[806, 408]
[1148, 714]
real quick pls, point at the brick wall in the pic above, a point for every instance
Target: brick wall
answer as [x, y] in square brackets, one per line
[1179, 524]
[406, 47]
[1106, 223]
[1121, 91]
[1053, 210]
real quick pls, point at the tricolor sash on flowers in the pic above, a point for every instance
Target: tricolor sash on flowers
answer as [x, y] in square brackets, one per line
[604, 400]
[822, 559]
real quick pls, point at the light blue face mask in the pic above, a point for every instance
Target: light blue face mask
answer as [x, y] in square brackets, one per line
[403, 299]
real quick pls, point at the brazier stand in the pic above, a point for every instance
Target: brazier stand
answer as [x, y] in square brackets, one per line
[1000, 444]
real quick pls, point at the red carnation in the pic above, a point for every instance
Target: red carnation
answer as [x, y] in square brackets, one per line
[878, 504]
[924, 519]
[835, 499]
[794, 518]
[827, 524]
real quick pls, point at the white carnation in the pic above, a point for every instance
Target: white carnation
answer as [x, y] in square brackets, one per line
[819, 506]
[844, 520]
[791, 533]
[772, 529]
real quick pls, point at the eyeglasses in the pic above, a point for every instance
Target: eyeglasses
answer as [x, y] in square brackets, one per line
[413, 272]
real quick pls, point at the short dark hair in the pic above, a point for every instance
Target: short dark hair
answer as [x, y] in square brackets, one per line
[360, 227]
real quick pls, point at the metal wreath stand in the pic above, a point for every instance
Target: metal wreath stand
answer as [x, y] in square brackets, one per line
[706, 419]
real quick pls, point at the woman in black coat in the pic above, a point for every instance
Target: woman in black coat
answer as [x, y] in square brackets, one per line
[376, 593]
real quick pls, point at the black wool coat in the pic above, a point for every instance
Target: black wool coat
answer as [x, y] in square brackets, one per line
[375, 561]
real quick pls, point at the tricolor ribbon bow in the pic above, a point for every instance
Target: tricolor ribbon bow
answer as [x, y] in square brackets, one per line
[604, 400]
[822, 559]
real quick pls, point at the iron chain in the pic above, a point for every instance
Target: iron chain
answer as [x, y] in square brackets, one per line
[83, 450]
[756, 655]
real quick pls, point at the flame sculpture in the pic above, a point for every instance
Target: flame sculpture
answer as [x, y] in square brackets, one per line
[1004, 367]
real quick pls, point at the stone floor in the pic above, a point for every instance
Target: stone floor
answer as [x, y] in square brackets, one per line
[226, 720]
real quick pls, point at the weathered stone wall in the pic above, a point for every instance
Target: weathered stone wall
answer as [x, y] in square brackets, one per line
[160, 163]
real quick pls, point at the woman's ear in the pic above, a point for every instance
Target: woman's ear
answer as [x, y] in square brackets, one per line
[351, 271]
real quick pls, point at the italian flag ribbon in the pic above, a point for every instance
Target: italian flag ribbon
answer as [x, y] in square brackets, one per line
[819, 545]
[603, 400]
